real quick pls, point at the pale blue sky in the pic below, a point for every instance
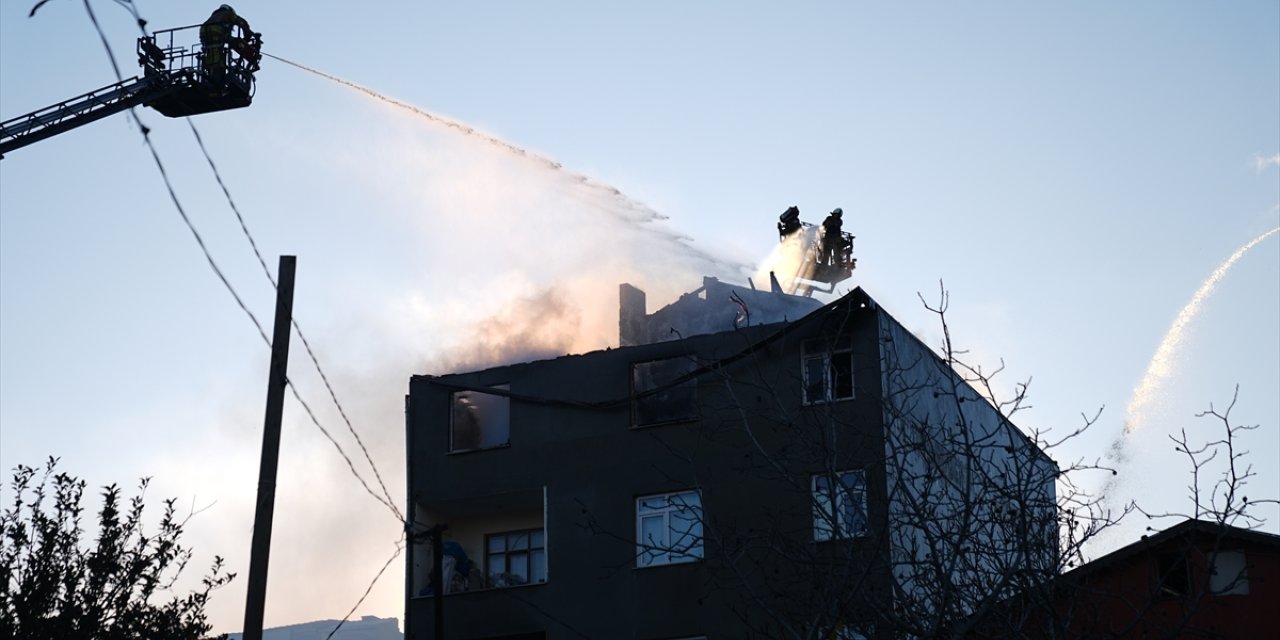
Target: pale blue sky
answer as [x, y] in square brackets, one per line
[1073, 172]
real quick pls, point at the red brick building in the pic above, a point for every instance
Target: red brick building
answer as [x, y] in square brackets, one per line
[1197, 579]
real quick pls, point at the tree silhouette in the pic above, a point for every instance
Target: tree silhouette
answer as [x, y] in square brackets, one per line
[55, 584]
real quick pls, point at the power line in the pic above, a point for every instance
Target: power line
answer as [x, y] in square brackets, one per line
[350, 465]
[146, 137]
[200, 241]
[400, 544]
[388, 502]
[386, 498]
[217, 175]
[227, 283]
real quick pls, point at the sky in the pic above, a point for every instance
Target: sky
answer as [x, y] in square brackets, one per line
[1072, 174]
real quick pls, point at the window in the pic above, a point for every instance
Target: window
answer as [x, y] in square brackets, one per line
[1228, 574]
[668, 528]
[515, 558]
[1173, 576]
[828, 369]
[480, 420]
[658, 399]
[839, 505]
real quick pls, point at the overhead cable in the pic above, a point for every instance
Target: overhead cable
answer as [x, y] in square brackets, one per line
[146, 137]
[399, 547]
[386, 498]
[244, 227]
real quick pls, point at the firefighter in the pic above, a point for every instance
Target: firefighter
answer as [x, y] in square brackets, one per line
[789, 222]
[831, 238]
[216, 34]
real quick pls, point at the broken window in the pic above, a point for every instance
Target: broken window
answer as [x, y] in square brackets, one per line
[828, 369]
[1173, 576]
[480, 420]
[660, 396]
[839, 505]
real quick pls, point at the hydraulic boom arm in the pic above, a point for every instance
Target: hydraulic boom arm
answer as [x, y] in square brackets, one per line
[182, 76]
[95, 105]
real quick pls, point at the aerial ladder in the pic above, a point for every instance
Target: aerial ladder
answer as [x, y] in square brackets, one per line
[181, 76]
[813, 256]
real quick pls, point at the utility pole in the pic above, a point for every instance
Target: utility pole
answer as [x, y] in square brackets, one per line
[261, 549]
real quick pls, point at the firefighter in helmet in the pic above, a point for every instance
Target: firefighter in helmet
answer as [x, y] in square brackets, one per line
[832, 239]
[218, 34]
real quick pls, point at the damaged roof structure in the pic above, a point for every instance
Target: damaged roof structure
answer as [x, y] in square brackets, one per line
[747, 463]
[711, 308]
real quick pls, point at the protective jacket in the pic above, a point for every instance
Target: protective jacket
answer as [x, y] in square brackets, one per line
[217, 29]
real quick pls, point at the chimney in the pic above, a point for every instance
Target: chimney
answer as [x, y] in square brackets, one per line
[631, 316]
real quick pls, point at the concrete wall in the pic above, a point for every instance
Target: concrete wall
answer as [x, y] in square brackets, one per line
[751, 451]
[571, 433]
[970, 498]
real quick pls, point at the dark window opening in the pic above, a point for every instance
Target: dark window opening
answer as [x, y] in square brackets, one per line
[827, 370]
[841, 375]
[659, 398]
[480, 420]
[815, 380]
[1173, 576]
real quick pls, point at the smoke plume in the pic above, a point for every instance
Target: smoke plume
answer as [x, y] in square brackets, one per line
[469, 252]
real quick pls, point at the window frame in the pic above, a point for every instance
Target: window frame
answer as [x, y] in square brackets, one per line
[528, 552]
[453, 419]
[664, 553]
[1173, 578]
[687, 366]
[830, 510]
[827, 352]
[1222, 585]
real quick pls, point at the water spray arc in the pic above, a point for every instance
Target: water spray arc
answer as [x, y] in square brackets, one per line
[1162, 363]
[615, 201]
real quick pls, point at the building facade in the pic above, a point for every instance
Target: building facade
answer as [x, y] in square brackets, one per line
[1197, 579]
[784, 470]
